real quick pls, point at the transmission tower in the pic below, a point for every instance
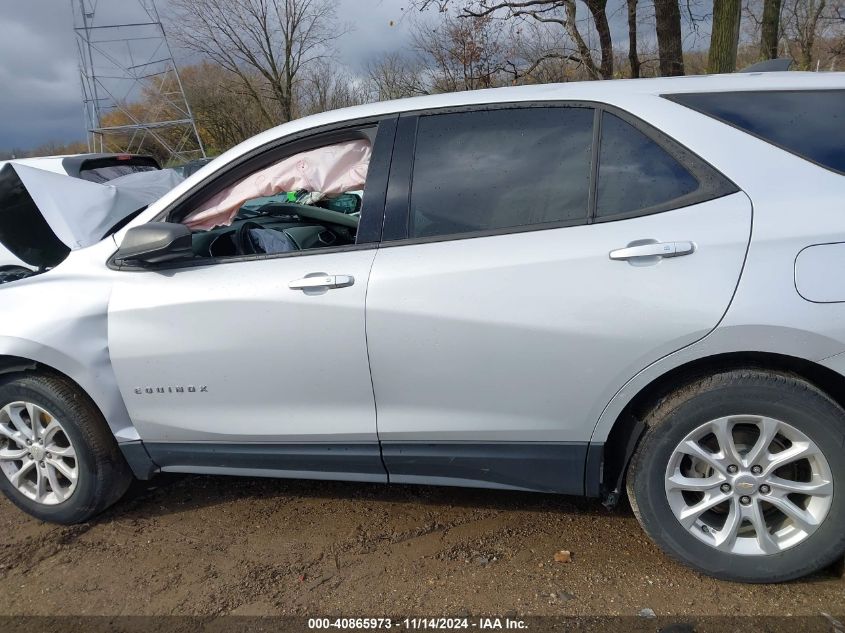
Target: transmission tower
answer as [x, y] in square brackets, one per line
[132, 94]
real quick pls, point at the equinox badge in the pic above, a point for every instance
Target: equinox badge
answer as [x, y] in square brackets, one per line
[171, 389]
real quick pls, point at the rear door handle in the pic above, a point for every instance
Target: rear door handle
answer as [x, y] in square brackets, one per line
[653, 249]
[319, 280]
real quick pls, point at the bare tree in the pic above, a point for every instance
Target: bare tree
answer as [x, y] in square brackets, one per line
[275, 39]
[225, 112]
[667, 15]
[805, 23]
[395, 76]
[724, 36]
[326, 87]
[461, 54]
[598, 9]
[633, 55]
[554, 13]
[537, 55]
[770, 29]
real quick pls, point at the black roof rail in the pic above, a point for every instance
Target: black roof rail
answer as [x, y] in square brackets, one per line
[769, 66]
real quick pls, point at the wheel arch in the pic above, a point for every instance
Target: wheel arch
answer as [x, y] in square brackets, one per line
[97, 384]
[624, 434]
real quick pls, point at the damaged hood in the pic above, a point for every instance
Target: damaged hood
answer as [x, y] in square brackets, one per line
[45, 215]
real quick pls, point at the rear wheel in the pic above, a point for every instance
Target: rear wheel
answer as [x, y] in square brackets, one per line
[737, 476]
[58, 460]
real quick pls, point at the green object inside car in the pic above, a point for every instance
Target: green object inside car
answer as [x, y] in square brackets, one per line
[344, 203]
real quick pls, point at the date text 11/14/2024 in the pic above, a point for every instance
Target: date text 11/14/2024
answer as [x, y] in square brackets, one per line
[418, 623]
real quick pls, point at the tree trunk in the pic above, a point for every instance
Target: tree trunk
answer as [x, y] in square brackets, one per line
[724, 38]
[633, 57]
[669, 48]
[770, 29]
[598, 11]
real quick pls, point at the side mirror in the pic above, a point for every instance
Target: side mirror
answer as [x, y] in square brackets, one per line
[155, 243]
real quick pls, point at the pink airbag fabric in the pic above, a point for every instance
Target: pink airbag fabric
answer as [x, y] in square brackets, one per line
[330, 170]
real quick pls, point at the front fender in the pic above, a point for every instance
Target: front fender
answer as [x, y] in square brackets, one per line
[60, 320]
[95, 378]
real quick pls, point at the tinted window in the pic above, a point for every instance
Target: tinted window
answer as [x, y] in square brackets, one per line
[478, 171]
[102, 170]
[635, 173]
[810, 123]
[104, 174]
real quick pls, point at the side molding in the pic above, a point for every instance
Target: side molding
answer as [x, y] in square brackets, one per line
[342, 462]
[533, 466]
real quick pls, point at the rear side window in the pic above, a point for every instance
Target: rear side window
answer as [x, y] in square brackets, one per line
[809, 123]
[497, 169]
[635, 173]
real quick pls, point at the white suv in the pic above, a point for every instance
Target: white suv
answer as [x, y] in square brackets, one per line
[579, 289]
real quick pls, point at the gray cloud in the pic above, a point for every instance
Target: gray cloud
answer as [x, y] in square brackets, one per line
[41, 100]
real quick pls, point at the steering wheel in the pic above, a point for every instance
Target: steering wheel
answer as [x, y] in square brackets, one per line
[321, 215]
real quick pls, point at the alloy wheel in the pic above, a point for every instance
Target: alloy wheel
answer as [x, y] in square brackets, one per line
[36, 453]
[749, 485]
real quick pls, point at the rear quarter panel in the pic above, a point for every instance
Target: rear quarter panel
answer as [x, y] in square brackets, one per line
[796, 204]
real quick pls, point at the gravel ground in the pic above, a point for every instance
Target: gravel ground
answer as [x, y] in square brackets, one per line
[215, 545]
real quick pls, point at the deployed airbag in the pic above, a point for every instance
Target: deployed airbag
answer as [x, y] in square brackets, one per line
[329, 170]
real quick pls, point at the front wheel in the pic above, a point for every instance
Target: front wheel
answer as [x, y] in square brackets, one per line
[58, 459]
[741, 475]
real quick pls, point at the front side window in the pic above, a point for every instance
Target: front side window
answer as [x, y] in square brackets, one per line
[635, 173]
[809, 123]
[497, 169]
[309, 200]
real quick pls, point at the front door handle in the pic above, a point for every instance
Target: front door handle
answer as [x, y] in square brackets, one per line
[319, 281]
[636, 250]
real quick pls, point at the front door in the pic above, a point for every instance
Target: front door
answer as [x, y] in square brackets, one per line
[255, 363]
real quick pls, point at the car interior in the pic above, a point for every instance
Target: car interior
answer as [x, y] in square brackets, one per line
[284, 223]
[306, 201]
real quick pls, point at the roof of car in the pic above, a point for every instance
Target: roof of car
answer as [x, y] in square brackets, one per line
[592, 91]
[614, 91]
[576, 91]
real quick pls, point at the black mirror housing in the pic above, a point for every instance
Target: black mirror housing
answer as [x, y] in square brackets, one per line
[155, 243]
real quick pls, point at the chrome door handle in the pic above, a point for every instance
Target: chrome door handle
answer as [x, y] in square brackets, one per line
[653, 249]
[318, 281]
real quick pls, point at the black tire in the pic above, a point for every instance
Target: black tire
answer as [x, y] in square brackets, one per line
[103, 475]
[781, 396]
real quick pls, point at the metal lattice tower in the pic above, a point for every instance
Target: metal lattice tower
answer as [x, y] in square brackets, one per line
[133, 96]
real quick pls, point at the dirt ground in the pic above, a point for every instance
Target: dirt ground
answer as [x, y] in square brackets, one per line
[216, 545]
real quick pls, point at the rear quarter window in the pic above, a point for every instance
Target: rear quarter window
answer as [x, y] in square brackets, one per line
[808, 123]
[635, 173]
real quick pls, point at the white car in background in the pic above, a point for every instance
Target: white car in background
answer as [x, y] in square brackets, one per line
[75, 198]
[96, 167]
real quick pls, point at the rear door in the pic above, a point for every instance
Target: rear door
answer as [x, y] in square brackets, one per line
[536, 259]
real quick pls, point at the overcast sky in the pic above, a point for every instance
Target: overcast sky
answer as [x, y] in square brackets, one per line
[40, 95]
